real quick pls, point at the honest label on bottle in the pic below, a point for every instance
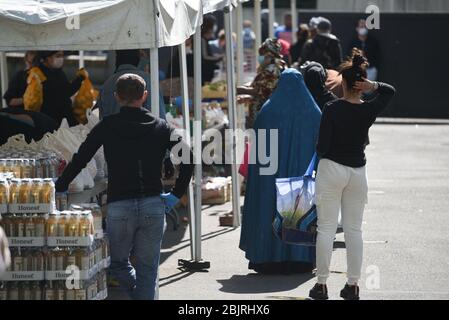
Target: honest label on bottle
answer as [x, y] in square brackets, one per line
[30, 208]
[69, 241]
[26, 242]
[22, 275]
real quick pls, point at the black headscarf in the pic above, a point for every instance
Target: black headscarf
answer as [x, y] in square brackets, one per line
[315, 78]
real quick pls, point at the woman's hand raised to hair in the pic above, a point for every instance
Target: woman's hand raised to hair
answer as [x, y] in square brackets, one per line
[366, 85]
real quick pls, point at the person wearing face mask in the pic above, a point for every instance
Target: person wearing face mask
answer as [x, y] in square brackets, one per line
[270, 68]
[57, 89]
[17, 86]
[369, 45]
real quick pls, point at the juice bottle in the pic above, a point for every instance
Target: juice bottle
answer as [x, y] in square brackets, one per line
[69, 294]
[14, 188]
[86, 259]
[26, 169]
[4, 191]
[7, 223]
[36, 291]
[25, 291]
[63, 224]
[85, 224]
[60, 259]
[98, 217]
[39, 224]
[32, 168]
[28, 260]
[52, 225]
[3, 165]
[36, 187]
[17, 261]
[16, 168]
[30, 227]
[19, 222]
[25, 191]
[72, 258]
[98, 253]
[60, 290]
[39, 169]
[38, 261]
[3, 291]
[74, 224]
[47, 191]
[13, 291]
[51, 260]
[50, 290]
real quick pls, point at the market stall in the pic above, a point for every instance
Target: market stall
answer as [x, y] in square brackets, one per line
[100, 25]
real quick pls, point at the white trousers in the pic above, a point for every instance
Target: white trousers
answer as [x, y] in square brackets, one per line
[340, 186]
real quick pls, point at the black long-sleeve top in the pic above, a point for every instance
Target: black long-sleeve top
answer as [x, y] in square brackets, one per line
[344, 127]
[16, 87]
[135, 144]
[57, 92]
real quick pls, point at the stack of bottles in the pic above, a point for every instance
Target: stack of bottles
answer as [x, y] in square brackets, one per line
[31, 164]
[49, 247]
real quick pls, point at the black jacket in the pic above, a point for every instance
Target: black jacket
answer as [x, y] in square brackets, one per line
[16, 87]
[371, 49]
[324, 49]
[57, 92]
[135, 144]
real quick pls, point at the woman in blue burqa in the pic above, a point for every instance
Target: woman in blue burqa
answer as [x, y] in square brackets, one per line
[293, 112]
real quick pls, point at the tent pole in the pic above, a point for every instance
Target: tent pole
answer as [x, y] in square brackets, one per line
[186, 120]
[239, 30]
[197, 133]
[154, 63]
[154, 75]
[4, 76]
[257, 27]
[294, 20]
[81, 58]
[232, 108]
[271, 18]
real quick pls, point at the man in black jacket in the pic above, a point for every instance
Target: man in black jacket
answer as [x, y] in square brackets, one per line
[57, 89]
[135, 143]
[324, 48]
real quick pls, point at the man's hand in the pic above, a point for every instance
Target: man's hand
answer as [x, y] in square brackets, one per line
[170, 201]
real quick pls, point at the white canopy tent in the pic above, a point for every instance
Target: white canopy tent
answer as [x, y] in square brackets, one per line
[102, 25]
[98, 25]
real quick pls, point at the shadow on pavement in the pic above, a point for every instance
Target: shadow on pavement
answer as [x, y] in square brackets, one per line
[255, 283]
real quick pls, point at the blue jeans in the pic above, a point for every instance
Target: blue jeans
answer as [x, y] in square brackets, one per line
[136, 225]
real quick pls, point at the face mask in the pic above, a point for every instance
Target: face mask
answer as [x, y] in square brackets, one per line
[57, 63]
[261, 59]
[363, 32]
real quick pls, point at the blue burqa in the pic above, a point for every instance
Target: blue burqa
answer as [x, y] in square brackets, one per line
[292, 110]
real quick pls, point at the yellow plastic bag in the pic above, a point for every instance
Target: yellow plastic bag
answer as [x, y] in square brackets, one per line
[33, 97]
[84, 99]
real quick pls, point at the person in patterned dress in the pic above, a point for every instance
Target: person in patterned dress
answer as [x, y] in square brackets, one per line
[270, 68]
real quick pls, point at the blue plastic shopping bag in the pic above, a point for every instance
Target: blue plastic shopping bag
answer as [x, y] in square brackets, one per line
[295, 220]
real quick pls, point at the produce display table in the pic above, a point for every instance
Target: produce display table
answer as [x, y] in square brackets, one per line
[101, 185]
